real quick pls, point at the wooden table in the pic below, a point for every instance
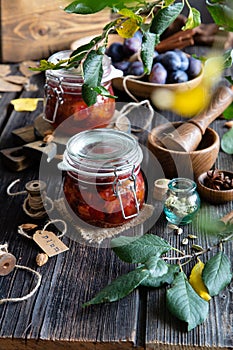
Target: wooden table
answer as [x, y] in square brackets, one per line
[54, 318]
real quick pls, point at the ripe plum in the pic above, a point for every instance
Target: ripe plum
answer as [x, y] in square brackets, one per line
[158, 74]
[116, 52]
[194, 68]
[135, 68]
[178, 76]
[171, 60]
[131, 46]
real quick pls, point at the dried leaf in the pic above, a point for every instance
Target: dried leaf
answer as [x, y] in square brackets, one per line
[8, 87]
[196, 281]
[4, 69]
[16, 79]
[25, 104]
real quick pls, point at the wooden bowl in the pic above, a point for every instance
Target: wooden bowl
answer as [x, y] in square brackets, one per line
[214, 196]
[184, 164]
[138, 87]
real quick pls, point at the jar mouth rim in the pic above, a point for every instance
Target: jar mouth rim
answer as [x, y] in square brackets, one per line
[74, 73]
[102, 152]
[181, 185]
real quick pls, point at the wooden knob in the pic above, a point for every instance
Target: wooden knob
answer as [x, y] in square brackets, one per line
[7, 263]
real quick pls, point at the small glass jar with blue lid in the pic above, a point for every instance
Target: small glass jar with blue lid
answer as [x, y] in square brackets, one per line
[182, 202]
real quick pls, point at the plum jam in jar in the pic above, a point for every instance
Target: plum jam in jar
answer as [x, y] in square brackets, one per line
[103, 183]
[63, 98]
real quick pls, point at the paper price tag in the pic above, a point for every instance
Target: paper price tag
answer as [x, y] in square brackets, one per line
[49, 242]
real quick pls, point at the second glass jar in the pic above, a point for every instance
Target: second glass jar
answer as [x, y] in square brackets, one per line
[64, 103]
[182, 202]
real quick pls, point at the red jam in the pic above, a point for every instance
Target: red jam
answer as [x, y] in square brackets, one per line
[109, 192]
[64, 103]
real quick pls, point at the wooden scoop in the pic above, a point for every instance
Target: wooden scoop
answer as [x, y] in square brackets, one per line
[188, 136]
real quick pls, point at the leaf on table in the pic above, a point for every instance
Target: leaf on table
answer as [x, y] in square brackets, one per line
[139, 249]
[9, 87]
[25, 104]
[227, 142]
[217, 273]
[4, 69]
[17, 79]
[154, 281]
[184, 303]
[196, 281]
[120, 287]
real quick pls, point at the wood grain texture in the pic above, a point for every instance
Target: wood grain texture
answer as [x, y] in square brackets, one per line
[34, 30]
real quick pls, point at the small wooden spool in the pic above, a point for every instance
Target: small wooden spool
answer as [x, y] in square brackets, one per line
[7, 263]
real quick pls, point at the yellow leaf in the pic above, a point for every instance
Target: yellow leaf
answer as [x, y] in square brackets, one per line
[196, 281]
[127, 28]
[25, 104]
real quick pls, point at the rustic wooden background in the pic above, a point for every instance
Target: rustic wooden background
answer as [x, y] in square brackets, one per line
[32, 29]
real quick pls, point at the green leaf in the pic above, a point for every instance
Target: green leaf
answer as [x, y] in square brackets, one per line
[120, 287]
[93, 69]
[156, 266]
[228, 58]
[229, 78]
[86, 47]
[228, 113]
[149, 40]
[217, 273]
[185, 303]
[222, 13]
[85, 7]
[194, 19]
[139, 249]
[164, 17]
[89, 95]
[101, 90]
[157, 281]
[227, 142]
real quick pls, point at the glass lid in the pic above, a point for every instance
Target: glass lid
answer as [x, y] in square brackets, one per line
[102, 151]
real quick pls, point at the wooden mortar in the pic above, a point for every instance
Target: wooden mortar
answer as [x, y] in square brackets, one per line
[188, 136]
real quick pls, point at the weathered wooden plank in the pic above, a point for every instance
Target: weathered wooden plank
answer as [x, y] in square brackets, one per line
[35, 31]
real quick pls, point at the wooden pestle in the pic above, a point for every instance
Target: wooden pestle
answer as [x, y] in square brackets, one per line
[188, 136]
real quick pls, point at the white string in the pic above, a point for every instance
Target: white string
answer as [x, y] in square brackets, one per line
[34, 203]
[53, 222]
[23, 233]
[126, 109]
[3, 250]
[15, 193]
[33, 291]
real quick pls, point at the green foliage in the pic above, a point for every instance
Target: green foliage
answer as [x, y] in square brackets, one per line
[227, 142]
[164, 17]
[185, 303]
[217, 273]
[121, 287]
[154, 271]
[194, 19]
[139, 249]
[222, 13]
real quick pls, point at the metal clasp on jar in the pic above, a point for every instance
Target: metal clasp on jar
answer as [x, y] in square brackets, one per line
[57, 92]
[117, 185]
